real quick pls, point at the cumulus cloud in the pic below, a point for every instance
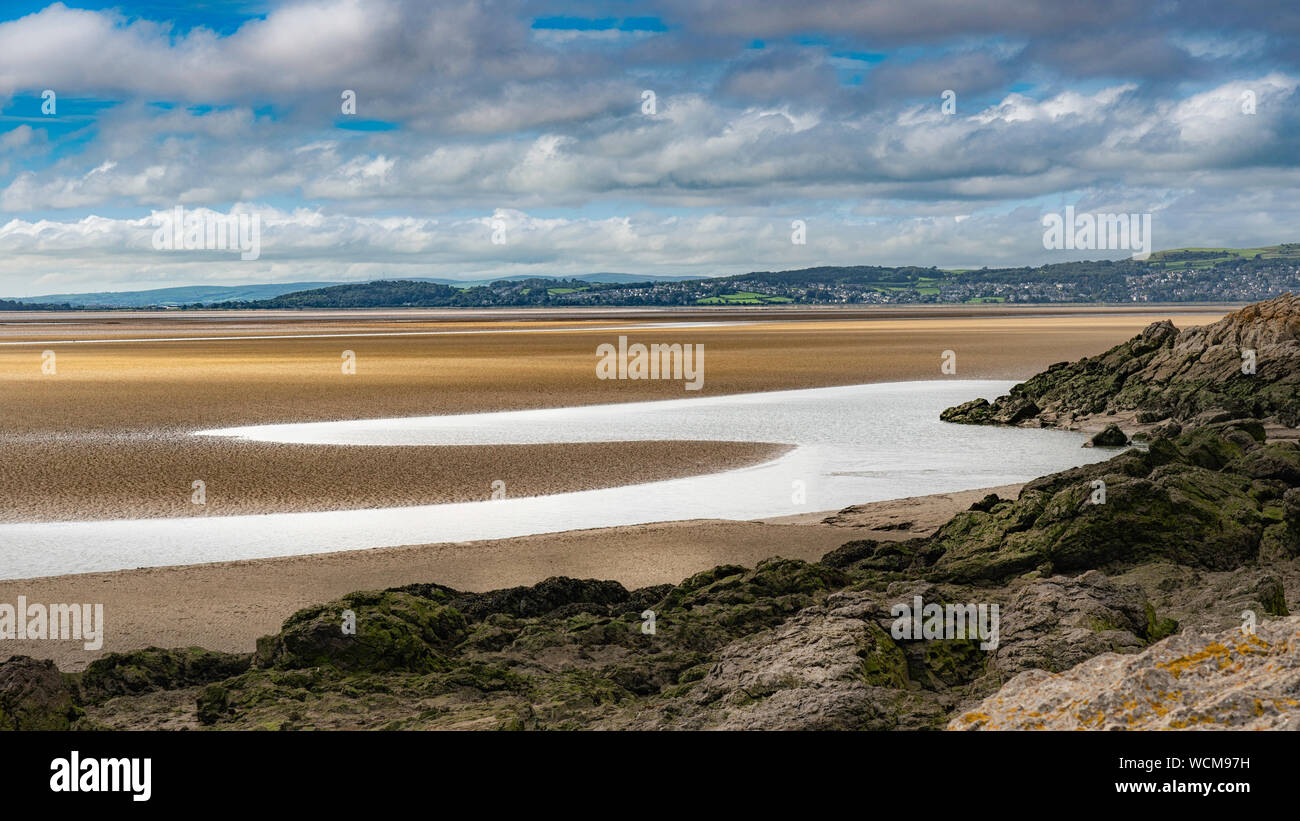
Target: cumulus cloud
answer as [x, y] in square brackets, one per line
[93, 253]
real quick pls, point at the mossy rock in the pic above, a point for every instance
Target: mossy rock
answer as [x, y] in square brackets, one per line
[770, 578]
[1110, 437]
[883, 662]
[953, 662]
[493, 634]
[1275, 461]
[213, 704]
[153, 669]
[1157, 628]
[974, 412]
[1187, 500]
[558, 596]
[394, 631]
[478, 676]
[1272, 595]
[34, 695]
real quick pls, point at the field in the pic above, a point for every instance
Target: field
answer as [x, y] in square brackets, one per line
[1208, 257]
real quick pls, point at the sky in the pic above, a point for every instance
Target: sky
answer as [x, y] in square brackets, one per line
[507, 137]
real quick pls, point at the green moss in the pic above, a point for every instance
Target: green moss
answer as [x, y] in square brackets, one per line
[35, 696]
[213, 704]
[883, 663]
[394, 631]
[153, 669]
[1158, 628]
[1102, 625]
[1273, 597]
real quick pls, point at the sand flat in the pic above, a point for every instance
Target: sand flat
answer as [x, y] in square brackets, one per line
[69, 431]
[107, 435]
[228, 605]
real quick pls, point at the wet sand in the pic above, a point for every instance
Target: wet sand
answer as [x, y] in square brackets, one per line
[228, 605]
[107, 434]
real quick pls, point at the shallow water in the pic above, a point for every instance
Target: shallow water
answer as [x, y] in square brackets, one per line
[852, 444]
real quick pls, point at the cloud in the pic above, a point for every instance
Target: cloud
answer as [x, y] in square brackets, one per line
[97, 253]
[764, 111]
[693, 152]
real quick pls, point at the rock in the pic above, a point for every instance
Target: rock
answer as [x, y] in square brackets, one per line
[34, 696]
[1015, 409]
[1163, 374]
[1180, 500]
[1226, 680]
[1208, 601]
[974, 412]
[868, 554]
[829, 667]
[986, 504]
[1110, 437]
[559, 595]
[771, 578]
[153, 668]
[213, 704]
[394, 631]
[1056, 623]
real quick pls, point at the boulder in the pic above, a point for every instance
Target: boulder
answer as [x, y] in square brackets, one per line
[394, 631]
[1110, 437]
[1230, 680]
[35, 696]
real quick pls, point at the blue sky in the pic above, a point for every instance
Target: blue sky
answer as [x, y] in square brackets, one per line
[643, 137]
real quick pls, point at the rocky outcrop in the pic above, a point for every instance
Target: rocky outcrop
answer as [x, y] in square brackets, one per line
[34, 696]
[555, 596]
[1246, 365]
[1216, 497]
[1056, 623]
[828, 667]
[153, 668]
[1230, 680]
[391, 631]
[1110, 437]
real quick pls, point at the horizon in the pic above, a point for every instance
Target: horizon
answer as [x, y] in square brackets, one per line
[589, 277]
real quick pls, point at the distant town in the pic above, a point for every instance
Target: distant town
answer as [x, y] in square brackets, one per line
[1186, 275]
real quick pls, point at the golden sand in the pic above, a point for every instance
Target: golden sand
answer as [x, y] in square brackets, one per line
[106, 435]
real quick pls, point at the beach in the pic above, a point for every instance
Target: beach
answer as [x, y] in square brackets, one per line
[108, 436]
[228, 605]
[108, 433]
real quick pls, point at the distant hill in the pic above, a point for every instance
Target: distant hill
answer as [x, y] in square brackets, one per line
[183, 295]
[595, 278]
[1207, 257]
[216, 294]
[402, 293]
[1176, 275]
[9, 305]
[1180, 275]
